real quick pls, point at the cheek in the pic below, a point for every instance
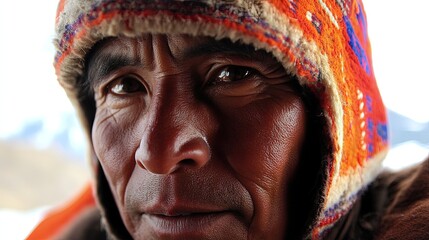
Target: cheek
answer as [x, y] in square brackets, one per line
[270, 142]
[264, 148]
[114, 144]
[264, 152]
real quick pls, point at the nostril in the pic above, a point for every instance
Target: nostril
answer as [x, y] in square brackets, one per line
[182, 163]
[140, 164]
[187, 162]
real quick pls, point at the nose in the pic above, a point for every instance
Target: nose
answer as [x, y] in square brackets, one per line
[174, 134]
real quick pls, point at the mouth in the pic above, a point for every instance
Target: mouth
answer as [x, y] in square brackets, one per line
[189, 224]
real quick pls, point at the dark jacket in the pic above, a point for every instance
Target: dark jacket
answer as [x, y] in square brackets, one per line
[395, 206]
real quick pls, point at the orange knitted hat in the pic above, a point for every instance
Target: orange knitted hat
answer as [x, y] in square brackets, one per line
[323, 43]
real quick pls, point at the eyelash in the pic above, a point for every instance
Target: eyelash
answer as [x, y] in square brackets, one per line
[124, 82]
[239, 73]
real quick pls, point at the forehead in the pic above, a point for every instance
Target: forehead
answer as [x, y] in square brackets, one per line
[149, 50]
[180, 47]
[175, 43]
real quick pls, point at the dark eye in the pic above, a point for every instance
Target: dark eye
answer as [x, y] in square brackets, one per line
[126, 85]
[233, 73]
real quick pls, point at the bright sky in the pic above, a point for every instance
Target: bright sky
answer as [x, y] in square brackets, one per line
[28, 86]
[398, 31]
[399, 35]
[29, 90]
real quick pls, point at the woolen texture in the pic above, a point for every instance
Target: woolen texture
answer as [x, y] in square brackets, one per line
[323, 43]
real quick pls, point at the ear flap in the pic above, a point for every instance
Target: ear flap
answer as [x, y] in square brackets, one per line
[110, 217]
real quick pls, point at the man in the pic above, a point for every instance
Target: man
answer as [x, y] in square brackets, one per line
[230, 120]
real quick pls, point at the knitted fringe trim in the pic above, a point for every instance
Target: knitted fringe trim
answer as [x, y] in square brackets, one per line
[347, 191]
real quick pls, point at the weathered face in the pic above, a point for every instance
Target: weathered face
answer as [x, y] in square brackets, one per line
[198, 138]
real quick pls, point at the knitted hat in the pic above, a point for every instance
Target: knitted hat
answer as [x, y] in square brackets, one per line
[323, 43]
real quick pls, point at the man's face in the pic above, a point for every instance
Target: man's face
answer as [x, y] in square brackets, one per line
[198, 138]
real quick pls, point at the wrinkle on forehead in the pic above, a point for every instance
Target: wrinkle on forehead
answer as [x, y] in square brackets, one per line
[137, 51]
[156, 51]
[110, 55]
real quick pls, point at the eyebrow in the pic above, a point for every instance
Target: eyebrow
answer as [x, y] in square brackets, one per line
[104, 63]
[221, 46]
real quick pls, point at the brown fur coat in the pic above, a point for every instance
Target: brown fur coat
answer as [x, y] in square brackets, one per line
[395, 207]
